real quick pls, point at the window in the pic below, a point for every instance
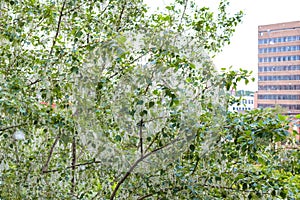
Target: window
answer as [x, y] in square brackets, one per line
[278, 40]
[279, 77]
[279, 49]
[279, 97]
[284, 39]
[290, 107]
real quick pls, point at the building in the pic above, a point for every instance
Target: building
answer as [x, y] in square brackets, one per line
[246, 103]
[279, 67]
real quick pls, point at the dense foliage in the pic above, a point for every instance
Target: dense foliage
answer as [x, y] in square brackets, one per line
[104, 100]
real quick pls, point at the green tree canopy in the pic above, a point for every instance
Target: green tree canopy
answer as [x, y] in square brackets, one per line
[104, 100]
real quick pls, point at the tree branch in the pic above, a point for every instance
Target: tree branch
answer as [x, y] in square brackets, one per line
[146, 196]
[73, 181]
[196, 165]
[45, 167]
[133, 61]
[183, 13]
[113, 195]
[102, 12]
[58, 26]
[73, 9]
[156, 118]
[10, 127]
[141, 136]
[154, 139]
[120, 16]
[72, 166]
[34, 82]
[135, 165]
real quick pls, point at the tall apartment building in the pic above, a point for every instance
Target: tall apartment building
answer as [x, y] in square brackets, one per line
[279, 67]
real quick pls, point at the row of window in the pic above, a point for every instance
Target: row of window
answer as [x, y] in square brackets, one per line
[279, 78]
[278, 40]
[279, 58]
[279, 87]
[279, 49]
[279, 97]
[289, 107]
[240, 108]
[245, 101]
[279, 68]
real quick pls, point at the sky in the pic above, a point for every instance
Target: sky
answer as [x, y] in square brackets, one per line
[242, 51]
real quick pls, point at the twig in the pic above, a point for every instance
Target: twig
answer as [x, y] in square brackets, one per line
[146, 196]
[10, 127]
[45, 167]
[148, 85]
[34, 82]
[133, 61]
[58, 26]
[134, 166]
[120, 16]
[154, 139]
[103, 11]
[196, 165]
[141, 136]
[183, 13]
[73, 9]
[156, 118]
[73, 181]
[72, 166]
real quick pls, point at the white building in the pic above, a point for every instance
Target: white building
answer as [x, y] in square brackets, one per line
[246, 103]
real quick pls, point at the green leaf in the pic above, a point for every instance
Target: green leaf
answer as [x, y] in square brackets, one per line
[118, 138]
[143, 113]
[75, 70]
[140, 102]
[261, 161]
[192, 147]
[282, 117]
[151, 104]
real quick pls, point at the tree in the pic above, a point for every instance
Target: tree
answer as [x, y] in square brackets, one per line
[102, 99]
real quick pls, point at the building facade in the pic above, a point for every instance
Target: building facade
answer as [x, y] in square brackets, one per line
[279, 67]
[246, 103]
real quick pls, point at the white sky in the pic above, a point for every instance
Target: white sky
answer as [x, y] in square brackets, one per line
[242, 52]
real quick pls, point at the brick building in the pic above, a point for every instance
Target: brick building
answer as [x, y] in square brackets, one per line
[279, 67]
